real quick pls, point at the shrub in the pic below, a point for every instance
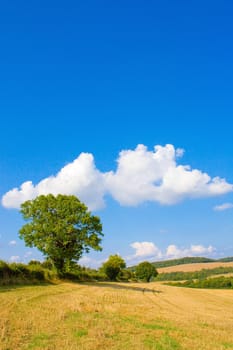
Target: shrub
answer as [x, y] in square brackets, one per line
[113, 266]
[5, 270]
[145, 271]
[214, 283]
[125, 275]
[34, 262]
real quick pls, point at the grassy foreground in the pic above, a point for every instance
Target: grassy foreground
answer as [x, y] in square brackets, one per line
[115, 316]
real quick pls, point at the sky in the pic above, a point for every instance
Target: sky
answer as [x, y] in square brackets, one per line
[127, 105]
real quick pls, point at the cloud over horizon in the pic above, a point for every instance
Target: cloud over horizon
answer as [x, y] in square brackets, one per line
[150, 252]
[141, 175]
[174, 252]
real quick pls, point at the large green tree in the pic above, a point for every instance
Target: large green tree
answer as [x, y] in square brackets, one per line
[61, 227]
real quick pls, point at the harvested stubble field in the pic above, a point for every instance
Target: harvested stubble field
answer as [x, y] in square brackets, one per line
[115, 316]
[194, 267]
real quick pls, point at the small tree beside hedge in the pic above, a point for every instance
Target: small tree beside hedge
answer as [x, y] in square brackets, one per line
[113, 266]
[145, 271]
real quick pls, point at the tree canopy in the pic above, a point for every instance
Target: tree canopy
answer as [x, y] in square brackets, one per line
[145, 271]
[61, 227]
[113, 266]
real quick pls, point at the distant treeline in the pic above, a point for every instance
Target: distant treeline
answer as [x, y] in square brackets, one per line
[182, 261]
[192, 275]
[186, 260]
[228, 259]
[214, 283]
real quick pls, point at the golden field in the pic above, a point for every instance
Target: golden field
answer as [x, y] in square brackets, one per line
[115, 316]
[194, 267]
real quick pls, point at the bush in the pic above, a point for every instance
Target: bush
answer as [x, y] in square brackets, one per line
[20, 270]
[5, 270]
[34, 273]
[85, 276]
[145, 271]
[34, 262]
[214, 283]
[113, 266]
[47, 264]
[125, 275]
[18, 273]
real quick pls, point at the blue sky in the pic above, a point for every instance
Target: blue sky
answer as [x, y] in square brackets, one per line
[87, 80]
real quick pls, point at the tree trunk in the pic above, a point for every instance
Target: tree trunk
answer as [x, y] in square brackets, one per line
[60, 265]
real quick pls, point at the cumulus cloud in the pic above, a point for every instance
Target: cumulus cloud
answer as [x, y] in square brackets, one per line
[79, 178]
[144, 175]
[223, 206]
[141, 175]
[150, 252]
[145, 249]
[173, 251]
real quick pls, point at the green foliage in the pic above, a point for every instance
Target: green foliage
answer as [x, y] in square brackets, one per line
[34, 262]
[145, 271]
[4, 270]
[61, 227]
[47, 264]
[125, 275]
[18, 273]
[214, 283]
[204, 273]
[113, 266]
[228, 259]
[82, 276]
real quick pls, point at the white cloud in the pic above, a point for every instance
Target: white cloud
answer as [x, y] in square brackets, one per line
[150, 252]
[141, 175]
[14, 258]
[145, 249]
[12, 243]
[144, 175]
[90, 262]
[80, 178]
[223, 206]
[173, 251]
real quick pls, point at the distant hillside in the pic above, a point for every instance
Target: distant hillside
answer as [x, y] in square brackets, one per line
[186, 260]
[229, 259]
[182, 261]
